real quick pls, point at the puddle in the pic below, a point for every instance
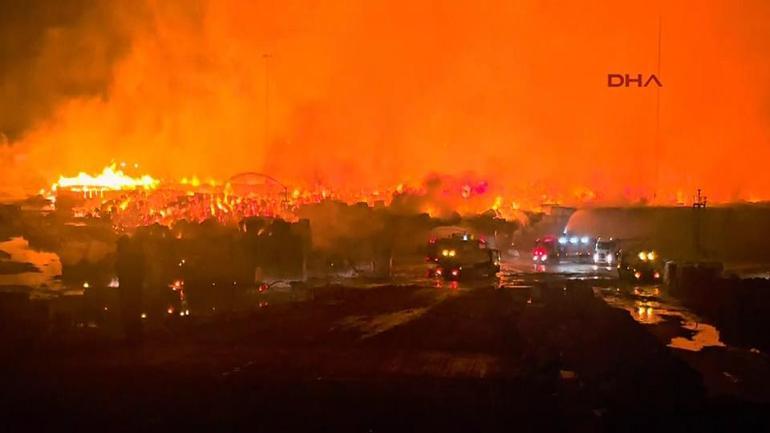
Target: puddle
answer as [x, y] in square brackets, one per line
[45, 276]
[704, 335]
[647, 305]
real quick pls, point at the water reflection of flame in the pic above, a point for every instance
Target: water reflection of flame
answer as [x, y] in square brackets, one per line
[653, 308]
[47, 263]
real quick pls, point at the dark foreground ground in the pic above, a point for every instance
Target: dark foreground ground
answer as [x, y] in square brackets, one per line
[545, 355]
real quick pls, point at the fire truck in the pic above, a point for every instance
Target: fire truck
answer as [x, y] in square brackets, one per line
[638, 265]
[545, 250]
[576, 247]
[462, 255]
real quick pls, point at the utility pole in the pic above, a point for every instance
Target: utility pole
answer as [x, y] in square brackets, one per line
[698, 205]
[700, 200]
[657, 154]
[267, 57]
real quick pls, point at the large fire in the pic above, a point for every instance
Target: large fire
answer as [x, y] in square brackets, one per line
[132, 201]
[325, 95]
[110, 179]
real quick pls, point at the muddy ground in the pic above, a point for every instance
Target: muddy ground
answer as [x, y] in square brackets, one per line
[548, 355]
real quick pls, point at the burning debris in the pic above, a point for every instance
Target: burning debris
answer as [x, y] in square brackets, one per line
[142, 200]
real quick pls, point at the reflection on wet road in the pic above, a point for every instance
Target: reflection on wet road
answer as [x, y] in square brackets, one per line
[44, 270]
[533, 338]
[649, 305]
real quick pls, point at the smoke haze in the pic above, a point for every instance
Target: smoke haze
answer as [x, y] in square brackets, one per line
[378, 93]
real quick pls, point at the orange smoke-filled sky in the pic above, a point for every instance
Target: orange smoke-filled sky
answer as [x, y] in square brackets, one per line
[373, 93]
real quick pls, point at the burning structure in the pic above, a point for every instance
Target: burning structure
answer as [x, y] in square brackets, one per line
[142, 200]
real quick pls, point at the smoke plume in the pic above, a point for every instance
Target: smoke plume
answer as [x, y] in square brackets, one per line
[379, 93]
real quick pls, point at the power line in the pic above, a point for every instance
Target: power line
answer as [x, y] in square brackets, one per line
[657, 154]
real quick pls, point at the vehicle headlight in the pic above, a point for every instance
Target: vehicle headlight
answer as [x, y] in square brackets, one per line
[544, 257]
[651, 255]
[643, 256]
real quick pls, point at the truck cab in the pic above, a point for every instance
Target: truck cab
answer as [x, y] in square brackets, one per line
[462, 256]
[638, 265]
[605, 251]
[545, 250]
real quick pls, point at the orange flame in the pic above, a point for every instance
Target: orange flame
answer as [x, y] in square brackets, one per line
[110, 179]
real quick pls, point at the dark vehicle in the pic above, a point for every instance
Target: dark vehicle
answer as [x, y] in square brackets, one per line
[462, 256]
[545, 250]
[638, 266]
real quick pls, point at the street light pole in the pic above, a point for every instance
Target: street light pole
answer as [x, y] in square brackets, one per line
[267, 57]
